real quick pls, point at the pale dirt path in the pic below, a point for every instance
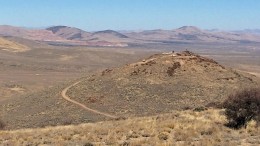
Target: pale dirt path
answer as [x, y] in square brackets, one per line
[66, 97]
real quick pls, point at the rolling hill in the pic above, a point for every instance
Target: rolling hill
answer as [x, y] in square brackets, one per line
[64, 35]
[32, 34]
[12, 46]
[69, 33]
[194, 34]
[100, 38]
[158, 84]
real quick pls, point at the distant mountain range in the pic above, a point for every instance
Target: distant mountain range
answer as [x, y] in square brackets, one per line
[76, 36]
[250, 31]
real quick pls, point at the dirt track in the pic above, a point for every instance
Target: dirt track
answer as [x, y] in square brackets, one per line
[66, 97]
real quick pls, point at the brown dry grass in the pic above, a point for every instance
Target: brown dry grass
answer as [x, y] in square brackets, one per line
[12, 46]
[178, 128]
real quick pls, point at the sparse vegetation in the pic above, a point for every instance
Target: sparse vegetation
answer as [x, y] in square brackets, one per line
[2, 125]
[177, 128]
[242, 107]
[189, 84]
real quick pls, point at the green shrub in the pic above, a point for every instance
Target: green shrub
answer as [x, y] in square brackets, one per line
[242, 107]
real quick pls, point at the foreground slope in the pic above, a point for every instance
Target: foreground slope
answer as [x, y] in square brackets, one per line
[178, 128]
[160, 83]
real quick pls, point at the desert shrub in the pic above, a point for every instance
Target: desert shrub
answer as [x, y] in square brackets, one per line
[217, 105]
[199, 109]
[67, 121]
[88, 144]
[163, 136]
[242, 107]
[2, 125]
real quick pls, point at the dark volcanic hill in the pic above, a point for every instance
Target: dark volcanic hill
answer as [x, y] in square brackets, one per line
[111, 33]
[109, 36]
[72, 33]
[160, 83]
[99, 38]
[69, 33]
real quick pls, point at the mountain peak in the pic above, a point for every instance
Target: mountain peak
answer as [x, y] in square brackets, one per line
[111, 32]
[55, 29]
[189, 29]
[69, 33]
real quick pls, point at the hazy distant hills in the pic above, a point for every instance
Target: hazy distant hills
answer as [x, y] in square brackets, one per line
[106, 37]
[191, 33]
[76, 36]
[249, 31]
[32, 34]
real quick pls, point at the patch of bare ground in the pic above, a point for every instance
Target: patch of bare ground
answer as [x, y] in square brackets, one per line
[178, 128]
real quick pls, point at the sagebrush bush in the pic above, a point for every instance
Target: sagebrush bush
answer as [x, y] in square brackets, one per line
[2, 125]
[242, 107]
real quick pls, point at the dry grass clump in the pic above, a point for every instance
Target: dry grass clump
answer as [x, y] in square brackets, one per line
[178, 128]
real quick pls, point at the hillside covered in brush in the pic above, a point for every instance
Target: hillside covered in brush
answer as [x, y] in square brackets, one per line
[160, 83]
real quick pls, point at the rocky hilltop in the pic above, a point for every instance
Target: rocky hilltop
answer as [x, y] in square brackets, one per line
[160, 83]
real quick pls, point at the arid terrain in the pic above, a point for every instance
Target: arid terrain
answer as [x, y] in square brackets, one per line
[128, 88]
[179, 128]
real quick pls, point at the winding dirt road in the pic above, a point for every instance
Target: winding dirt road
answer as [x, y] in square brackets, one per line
[66, 97]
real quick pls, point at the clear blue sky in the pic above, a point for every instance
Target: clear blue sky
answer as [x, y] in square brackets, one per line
[132, 14]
